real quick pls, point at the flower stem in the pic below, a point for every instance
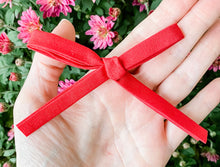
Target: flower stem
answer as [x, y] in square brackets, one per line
[10, 27]
[211, 143]
[147, 7]
[28, 62]
[13, 92]
[20, 47]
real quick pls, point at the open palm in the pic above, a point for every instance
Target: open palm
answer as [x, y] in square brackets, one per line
[110, 127]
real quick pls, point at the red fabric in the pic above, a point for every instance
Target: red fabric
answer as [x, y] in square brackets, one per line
[115, 68]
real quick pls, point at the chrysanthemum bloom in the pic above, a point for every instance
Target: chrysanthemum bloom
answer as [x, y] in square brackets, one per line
[6, 164]
[11, 133]
[114, 13]
[53, 8]
[211, 156]
[100, 29]
[6, 45]
[6, 3]
[65, 84]
[216, 65]
[14, 77]
[2, 107]
[28, 23]
[139, 3]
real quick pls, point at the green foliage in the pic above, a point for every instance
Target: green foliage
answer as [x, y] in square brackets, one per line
[128, 19]
[154, 4]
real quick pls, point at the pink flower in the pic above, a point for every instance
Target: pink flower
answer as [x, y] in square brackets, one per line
[114, 13]
[28, 23]
[2, 107]
[100, 29]
[211, 156]
[139, 3]
[14, 77]
[93, 1]
[216, 65]
[11, 133]
[65, 84]
[6, 2]
[53, 8]
[6, 164]
[6, 45]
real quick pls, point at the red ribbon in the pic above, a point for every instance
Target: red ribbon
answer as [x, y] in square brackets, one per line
[115, 68]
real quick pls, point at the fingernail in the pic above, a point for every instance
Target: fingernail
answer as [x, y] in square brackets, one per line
[65, 29]
[60, 26]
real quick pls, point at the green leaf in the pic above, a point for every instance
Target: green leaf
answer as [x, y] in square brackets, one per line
[139, 16]
[8, 153]
[3, 79]
[13, 36]
[12, 160]
[191, 161]
[9, 17]
[86, 5]
[189, 152]
[106, 5]
[79, 14]
[123, 29]
[154, 4]
[17, 10]
[10, 96]
[97, 1]
[6, 60]
[99, 11]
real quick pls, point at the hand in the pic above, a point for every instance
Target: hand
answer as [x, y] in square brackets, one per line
[116, 129]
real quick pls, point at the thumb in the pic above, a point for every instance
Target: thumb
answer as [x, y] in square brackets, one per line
[50, 69]
[47, 69]
[42, 80]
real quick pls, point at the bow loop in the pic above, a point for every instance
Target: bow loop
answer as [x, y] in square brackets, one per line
[151, 47]
[64, 50]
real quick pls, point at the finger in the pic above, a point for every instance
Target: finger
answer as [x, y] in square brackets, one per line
[165, 15]
[48, 69]
[197, 109]
[181, 82]
[194, 24]
[42, 78]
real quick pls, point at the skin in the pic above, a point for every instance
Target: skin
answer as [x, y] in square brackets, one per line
[115, 129]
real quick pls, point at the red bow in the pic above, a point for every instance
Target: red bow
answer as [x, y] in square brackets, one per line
[115, 68]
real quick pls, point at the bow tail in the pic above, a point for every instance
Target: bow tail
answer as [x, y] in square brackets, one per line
[61, 102]
[162, 107]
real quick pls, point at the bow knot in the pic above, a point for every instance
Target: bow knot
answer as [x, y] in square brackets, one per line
[113, 67]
